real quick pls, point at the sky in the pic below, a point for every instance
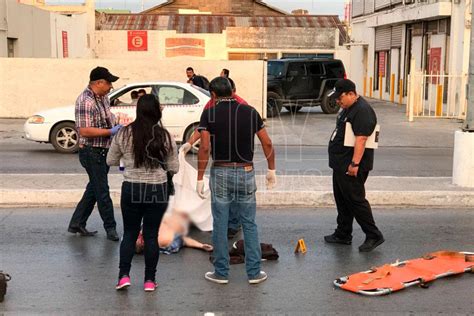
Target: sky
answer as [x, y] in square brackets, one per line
[332, 7]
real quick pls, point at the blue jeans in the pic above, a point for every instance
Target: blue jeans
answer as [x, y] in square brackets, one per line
[97, 190]
[234, 188]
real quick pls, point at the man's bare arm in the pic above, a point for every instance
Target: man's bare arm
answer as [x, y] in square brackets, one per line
[203, 154]
[267, 147]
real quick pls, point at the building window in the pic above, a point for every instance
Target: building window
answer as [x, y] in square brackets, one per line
[299, 55]
[252, 56]
[11, 43]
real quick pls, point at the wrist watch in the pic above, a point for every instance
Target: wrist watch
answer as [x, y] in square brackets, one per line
[353, 164]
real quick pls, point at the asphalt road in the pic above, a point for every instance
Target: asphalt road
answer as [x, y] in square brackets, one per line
[32, 158]
[54, 272]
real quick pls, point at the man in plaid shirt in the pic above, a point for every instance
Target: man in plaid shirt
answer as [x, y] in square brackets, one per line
[96, 125]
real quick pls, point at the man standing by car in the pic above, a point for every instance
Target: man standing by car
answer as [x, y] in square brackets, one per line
[96, 125]
[229, 129]
[351, 166]
[196, 80]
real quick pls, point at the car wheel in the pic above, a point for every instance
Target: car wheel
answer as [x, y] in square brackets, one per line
[188, 134]
[328, 104]
[65, 138]
[293, 109]
[274, 104]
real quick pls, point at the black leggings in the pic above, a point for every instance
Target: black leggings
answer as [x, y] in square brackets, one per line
[147, 202]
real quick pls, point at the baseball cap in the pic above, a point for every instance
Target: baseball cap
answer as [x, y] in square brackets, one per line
[99, 73]
[342, 86]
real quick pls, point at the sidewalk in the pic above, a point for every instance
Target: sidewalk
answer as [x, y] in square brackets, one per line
[65, 190]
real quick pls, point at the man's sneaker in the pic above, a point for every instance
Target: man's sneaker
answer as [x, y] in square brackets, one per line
[262, 276]
[123, 283]
[213, 277]
[370, 244]
[334, 239]
[149, 286]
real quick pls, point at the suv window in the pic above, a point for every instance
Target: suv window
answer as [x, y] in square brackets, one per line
[315, 69]
[334, 69]
[296, 69]
[275, 68]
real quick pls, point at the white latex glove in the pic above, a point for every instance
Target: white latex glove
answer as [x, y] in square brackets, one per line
[200, 189]
[271, 179]
[185, 148]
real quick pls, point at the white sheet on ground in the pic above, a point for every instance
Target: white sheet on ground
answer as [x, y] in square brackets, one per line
[187, 200]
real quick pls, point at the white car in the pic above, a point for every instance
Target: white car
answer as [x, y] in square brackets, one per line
[182, 105]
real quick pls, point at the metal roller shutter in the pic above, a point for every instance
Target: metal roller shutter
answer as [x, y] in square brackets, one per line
[379, 4]
[357, 8]
[369, 6]
[383, 38]
[397, 36]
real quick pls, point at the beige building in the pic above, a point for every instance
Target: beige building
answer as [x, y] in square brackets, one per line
[388, 35]
[33, 29]
[223, 29]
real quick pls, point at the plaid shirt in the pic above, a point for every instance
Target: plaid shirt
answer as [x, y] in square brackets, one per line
[93, 111]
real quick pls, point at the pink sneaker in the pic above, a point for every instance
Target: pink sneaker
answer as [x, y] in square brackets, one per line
[149, 286]
[123, 283]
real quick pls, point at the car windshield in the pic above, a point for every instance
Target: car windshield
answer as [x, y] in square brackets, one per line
[202, 90]
[275, 68]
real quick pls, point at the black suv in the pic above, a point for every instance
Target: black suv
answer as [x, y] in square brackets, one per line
[294, 83]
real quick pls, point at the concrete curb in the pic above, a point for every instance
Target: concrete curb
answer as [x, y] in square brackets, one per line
[69, 198]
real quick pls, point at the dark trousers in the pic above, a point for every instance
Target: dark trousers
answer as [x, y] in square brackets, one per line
[349, 193]
[93, 159]
[147, 202]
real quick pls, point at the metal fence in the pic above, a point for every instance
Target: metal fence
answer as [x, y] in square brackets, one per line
[436, 95]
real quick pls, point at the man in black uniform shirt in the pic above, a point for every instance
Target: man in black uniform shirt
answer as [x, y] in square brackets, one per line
[351, 166]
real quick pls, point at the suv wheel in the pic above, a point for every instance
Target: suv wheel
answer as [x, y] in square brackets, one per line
[328, 104]
[293, 109]
[65, 138]
[274, 104]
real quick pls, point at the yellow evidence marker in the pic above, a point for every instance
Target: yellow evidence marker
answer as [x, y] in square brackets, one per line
[300, 246]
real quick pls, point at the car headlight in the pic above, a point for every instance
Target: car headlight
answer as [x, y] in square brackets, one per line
[36, 119]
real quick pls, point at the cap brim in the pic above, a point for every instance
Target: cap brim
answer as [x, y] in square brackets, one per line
[112, 78]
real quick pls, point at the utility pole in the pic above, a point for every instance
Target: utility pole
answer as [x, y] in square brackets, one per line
[463, 164]
[469, 122]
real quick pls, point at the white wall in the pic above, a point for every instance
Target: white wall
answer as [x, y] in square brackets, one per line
[3, 29]
[32, 28]
[40, 84]
[362, 36]
[113, 44]
[76, 28]
[416, 49]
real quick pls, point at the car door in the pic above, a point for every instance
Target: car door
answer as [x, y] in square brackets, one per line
[181, 108]
[316, 76]
[296, 81]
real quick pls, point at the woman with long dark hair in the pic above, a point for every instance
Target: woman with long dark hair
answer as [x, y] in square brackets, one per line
[148, 153]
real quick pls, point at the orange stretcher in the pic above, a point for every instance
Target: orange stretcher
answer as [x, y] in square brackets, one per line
[400, 275]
